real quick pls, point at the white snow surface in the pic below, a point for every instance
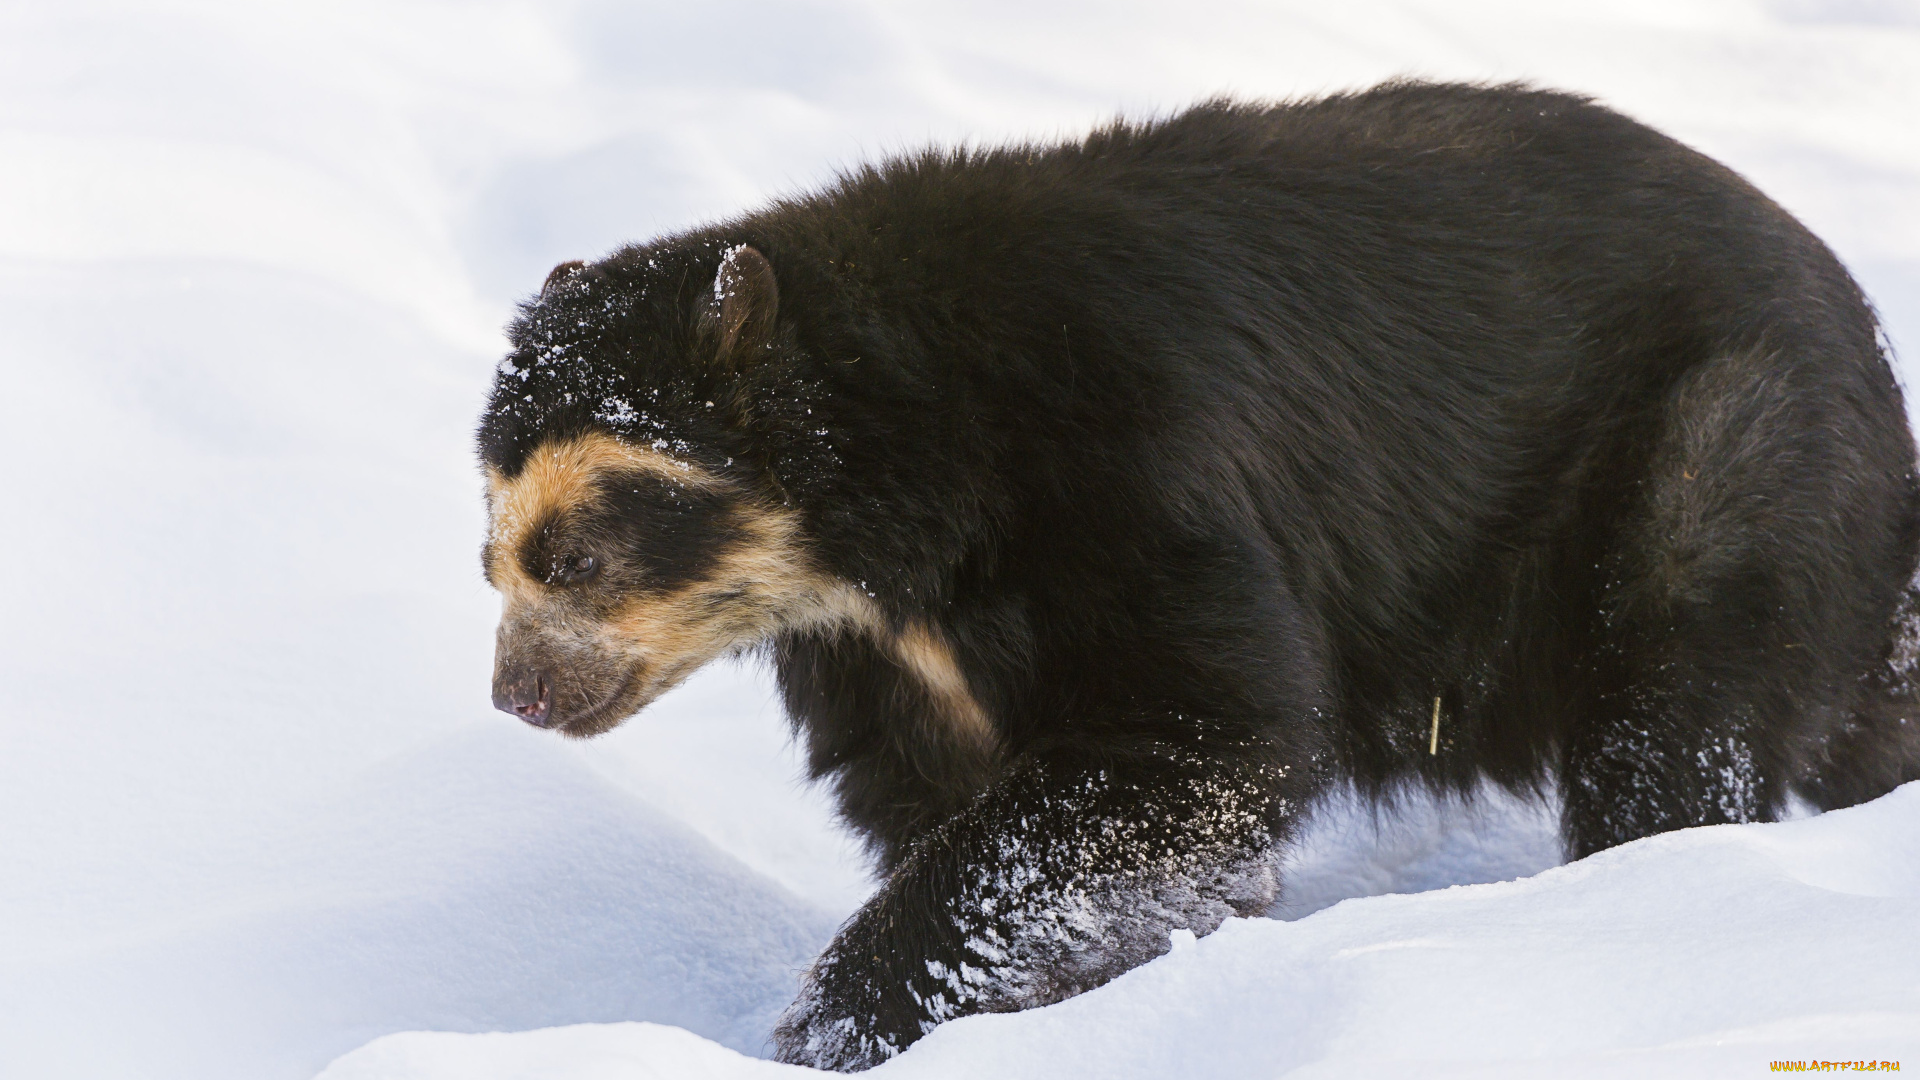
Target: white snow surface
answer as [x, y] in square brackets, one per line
[1710, 952]
[255, 810]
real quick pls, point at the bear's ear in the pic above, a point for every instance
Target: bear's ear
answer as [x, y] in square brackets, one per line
[739, 315]
[559, 274]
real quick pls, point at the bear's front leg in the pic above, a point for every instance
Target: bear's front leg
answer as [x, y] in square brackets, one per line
[1058, 878]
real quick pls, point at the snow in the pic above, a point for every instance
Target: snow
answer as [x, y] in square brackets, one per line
[255, 809]
[1709, 952]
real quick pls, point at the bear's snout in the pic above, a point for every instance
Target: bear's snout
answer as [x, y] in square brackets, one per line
[524, 692]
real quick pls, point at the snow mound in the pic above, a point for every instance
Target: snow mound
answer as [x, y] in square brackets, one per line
[487, 880]
[1708, 952]
[631, 1051]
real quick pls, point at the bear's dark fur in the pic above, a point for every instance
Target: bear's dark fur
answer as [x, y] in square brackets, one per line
[1209, 462]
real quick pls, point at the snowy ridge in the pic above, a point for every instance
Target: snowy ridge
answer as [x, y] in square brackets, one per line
[1708, 952]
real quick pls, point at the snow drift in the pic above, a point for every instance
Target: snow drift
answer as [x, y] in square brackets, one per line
[1708, 952]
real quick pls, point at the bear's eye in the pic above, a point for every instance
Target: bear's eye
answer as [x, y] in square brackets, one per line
[571, 569]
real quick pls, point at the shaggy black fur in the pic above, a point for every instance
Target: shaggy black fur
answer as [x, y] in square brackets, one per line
[1220, 447]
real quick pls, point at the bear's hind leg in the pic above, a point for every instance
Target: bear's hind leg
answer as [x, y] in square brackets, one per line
[1746, 591]
[1877, 748]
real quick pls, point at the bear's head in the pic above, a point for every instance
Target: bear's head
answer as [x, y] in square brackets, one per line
[636, 526]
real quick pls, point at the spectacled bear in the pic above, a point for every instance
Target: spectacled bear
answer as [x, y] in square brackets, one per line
[1102, 504]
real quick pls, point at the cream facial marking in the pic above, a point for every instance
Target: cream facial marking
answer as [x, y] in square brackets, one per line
[607, 656]
[557, 478]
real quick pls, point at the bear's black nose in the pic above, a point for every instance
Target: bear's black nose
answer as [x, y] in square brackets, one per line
[525, 693]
